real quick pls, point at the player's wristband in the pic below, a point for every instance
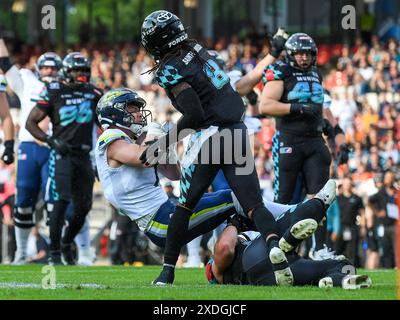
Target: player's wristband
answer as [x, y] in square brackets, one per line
[5, 64]
[3, 83]
[296, 108]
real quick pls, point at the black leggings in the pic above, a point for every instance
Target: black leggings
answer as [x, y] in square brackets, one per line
[234, 157]
[71, 178]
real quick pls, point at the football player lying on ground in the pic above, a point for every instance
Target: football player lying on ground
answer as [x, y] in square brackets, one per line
[133, 187]
[240, 257]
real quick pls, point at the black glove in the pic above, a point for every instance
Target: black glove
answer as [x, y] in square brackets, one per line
[58, 145]
[328, 129]
[278, 42]
[343, 154]
[241, 223]
[252, 97]
[309, 109]
[8, 154]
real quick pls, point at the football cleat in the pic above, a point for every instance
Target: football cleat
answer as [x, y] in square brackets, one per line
[166, 277]
[326, 282]
[301, 230]
[280, 265]
[19, 259]
[55, 258]
[356, 281]
[325, 254]
[67, 255]
[85, 257]
[328, 193]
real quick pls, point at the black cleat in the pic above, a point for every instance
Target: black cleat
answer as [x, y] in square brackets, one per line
[55, 258]
[67, 254]
[166, 277]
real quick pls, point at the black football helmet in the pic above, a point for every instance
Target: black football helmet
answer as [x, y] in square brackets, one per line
[76, 68]
[300, 42]
[161, 32]
[111, 110]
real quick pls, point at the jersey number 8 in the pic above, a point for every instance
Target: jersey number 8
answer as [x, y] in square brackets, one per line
[217, 76]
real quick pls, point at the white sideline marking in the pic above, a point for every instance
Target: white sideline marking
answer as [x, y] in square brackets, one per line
[27, 285]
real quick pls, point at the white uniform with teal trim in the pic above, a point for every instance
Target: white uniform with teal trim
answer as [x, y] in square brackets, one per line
[129, 189]
[28, 88]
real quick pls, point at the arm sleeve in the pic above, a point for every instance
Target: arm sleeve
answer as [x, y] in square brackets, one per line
[15, 81]
[193, 113]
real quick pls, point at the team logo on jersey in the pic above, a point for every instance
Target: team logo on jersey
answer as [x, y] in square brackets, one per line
[54, 85]
[285, 150]
[164, 16]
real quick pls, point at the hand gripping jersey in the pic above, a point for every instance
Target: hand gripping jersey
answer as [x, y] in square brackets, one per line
[71, 109]
[301, 87]
[221, 104]
[133, 190]
[28, 88]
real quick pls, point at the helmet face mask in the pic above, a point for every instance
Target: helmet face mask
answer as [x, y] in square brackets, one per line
[76, 68]
[48, 66]
[300, 43]
[120, 108]
[161, 32]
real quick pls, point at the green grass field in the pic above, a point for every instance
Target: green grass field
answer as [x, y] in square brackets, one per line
[130, 283]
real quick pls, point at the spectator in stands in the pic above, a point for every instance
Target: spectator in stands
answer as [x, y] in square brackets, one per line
[351, 210]
[386, 212]
[37, 247]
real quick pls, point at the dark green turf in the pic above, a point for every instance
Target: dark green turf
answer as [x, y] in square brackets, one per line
[24, 282]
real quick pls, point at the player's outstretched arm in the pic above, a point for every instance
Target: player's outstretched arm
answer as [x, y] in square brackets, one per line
[11, 71]
[246, 84]
[5, 115]
[121, 152]
[8, 127]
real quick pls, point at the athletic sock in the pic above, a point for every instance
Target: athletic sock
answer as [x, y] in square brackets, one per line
[193, 248]
[266, 224]
[21, 238]
[176, 233]
[311, 209]
[82, 239]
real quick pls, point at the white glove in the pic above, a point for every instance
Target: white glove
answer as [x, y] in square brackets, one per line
[154, 128]
[3, 83]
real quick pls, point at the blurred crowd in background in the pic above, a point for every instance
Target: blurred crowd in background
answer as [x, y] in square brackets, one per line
[364, 83]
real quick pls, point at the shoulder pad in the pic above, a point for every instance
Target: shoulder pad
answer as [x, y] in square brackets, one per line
[276, 71]
[168, 76]
[109, 136]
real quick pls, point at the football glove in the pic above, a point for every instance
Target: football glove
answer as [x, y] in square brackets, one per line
[343, 154]
[8, 154]
[278, 42]
[309, 109]
[58, 145]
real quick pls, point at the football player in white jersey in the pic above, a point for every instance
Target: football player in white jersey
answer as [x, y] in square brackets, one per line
[32, 167]
[132, 187]
[8, 125]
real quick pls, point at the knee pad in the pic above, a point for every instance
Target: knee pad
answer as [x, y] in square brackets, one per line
[24, 217]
